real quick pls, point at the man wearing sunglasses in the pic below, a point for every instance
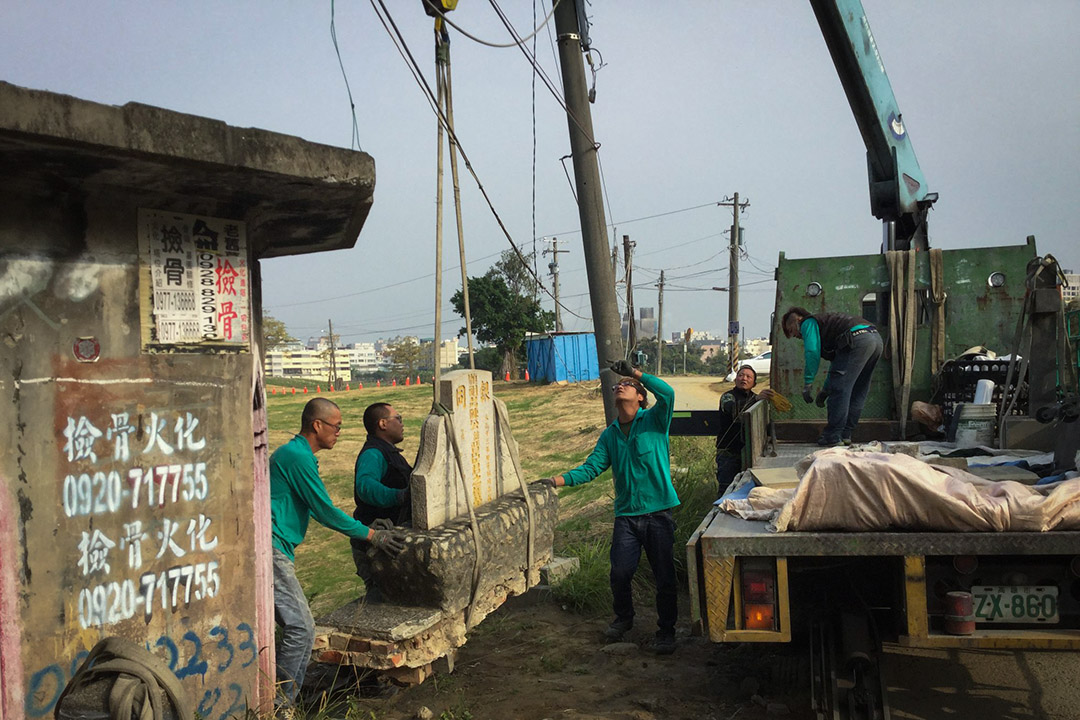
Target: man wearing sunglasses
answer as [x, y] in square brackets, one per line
[297, 494]
[381, 484]
[637, 449]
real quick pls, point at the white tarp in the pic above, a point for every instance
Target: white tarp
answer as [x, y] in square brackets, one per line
[847, 490]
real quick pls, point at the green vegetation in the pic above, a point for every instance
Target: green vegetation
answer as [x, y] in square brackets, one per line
[556, 427]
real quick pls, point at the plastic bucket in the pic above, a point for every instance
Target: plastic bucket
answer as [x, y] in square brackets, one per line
[975, 426]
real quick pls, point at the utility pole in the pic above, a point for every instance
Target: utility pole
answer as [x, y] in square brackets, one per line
[553, 266]
[333, 359]
[660, 326]
[628, 260]
[583, 147]
[733, 281]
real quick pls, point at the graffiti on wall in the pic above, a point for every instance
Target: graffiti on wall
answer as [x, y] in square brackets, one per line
[136, 492]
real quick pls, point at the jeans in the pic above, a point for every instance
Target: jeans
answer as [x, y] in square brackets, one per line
[297, 627]
[849, 384]
[655, 532]
[727, 467]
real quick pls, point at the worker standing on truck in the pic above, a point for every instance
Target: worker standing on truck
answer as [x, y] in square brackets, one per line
[852, 345]
[637, 449]
[729, 439]
[297, 494]
[381, 484]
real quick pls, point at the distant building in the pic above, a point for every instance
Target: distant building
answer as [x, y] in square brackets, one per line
[305, 364]
[645, 327]
[754, 346]
[1072, 290]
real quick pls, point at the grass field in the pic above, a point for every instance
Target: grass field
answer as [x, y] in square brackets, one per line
[555, 426]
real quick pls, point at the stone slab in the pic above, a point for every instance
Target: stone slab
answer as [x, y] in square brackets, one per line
[559, 569]
[439, 495]
[1000, 473]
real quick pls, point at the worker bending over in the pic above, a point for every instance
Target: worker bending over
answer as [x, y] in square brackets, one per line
[636, 448]
[297, 493]
[852, 346]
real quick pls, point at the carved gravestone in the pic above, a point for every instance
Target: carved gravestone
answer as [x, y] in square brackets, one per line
[440, 493]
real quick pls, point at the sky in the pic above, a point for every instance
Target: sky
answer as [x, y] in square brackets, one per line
[695, 101]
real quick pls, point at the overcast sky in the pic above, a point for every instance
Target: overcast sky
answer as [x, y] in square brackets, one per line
[695, 101]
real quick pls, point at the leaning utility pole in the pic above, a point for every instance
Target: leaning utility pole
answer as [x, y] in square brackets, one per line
[660, 325]
[553, 266]
[733, 282]
[583, 147]
[631, 326]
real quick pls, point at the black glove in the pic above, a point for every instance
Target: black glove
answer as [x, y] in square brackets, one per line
[622, 367]
[382, 524]
[806, 394]
[549, 481]
[822, 395]
[389, 542]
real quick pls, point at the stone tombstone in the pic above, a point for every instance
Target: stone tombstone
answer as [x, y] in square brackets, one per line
[438, 493]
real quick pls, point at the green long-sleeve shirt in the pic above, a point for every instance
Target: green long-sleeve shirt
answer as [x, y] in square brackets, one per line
[371, 466]
[640, 461]
[811, 338]
[297, 493]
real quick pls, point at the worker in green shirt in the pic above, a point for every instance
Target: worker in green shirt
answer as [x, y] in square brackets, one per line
[637, 449]
[381, 484]
[852, 346]
[297, 493]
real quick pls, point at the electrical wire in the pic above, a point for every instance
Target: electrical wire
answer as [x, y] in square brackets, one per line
[355, 141]
[438, 11]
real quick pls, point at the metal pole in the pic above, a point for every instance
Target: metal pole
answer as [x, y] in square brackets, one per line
[733, 284]
[333, 359]
[583, 146]
[631, 324]
[553, 266]
[660, 326]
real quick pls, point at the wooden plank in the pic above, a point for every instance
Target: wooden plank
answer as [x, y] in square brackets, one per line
[776, 478]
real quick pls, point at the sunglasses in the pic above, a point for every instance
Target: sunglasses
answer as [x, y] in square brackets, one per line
[630, 383]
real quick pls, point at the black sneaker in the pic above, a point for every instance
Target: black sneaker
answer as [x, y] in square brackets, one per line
[664, 643]
[617, 629]
[828, 442]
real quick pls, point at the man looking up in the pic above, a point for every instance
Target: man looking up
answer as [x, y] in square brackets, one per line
[729, 439]
[381, 483]
[636, 448]
[297, 493]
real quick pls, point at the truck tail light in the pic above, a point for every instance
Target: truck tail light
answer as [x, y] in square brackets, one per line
[758, 585]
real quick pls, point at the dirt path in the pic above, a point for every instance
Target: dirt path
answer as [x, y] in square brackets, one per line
[697, 392]
[533, 660]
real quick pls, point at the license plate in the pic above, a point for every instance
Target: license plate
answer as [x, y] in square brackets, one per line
[1016, 604]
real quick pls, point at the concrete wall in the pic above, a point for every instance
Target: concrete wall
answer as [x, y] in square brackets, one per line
[133, 485]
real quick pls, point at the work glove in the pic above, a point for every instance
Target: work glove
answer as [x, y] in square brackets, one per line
[806, 394]
[822, 395]
[382, 524]
[389, 542]
[549, 481]
[622, 367]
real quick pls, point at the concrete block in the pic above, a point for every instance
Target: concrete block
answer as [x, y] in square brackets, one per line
[559, 569]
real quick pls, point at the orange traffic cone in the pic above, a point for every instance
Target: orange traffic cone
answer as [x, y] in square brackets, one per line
[378, 383]
[526, 375]
[408, 380]
[305, 389]
[394, 383]
[329, 388]
[347, 386]
[294, 391]
[360, 386]
[507, 378]
[417, 379]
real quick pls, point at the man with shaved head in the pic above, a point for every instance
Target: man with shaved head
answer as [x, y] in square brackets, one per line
[297, 494]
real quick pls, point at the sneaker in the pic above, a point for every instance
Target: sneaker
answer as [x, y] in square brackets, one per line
[617, 629]
[846, 441]
[827, 442]
[664, 643]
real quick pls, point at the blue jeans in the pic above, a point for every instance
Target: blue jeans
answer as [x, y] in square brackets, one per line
[727, 467]
[849, 384]
[297, 627]
[655, 533]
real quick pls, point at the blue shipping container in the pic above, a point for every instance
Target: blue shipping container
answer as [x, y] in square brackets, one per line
[566, 356]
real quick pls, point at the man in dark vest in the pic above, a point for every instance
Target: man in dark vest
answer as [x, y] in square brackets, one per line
[852, 346]
[381, 487]
[729, 438]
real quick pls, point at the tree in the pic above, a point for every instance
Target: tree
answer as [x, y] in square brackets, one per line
[503, 309]
[405, 355]
[274, 333]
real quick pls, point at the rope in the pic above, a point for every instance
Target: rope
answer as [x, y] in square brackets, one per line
[139, 676]
[511, 444]
[902, 316]
[938, 295]
[448, 421]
